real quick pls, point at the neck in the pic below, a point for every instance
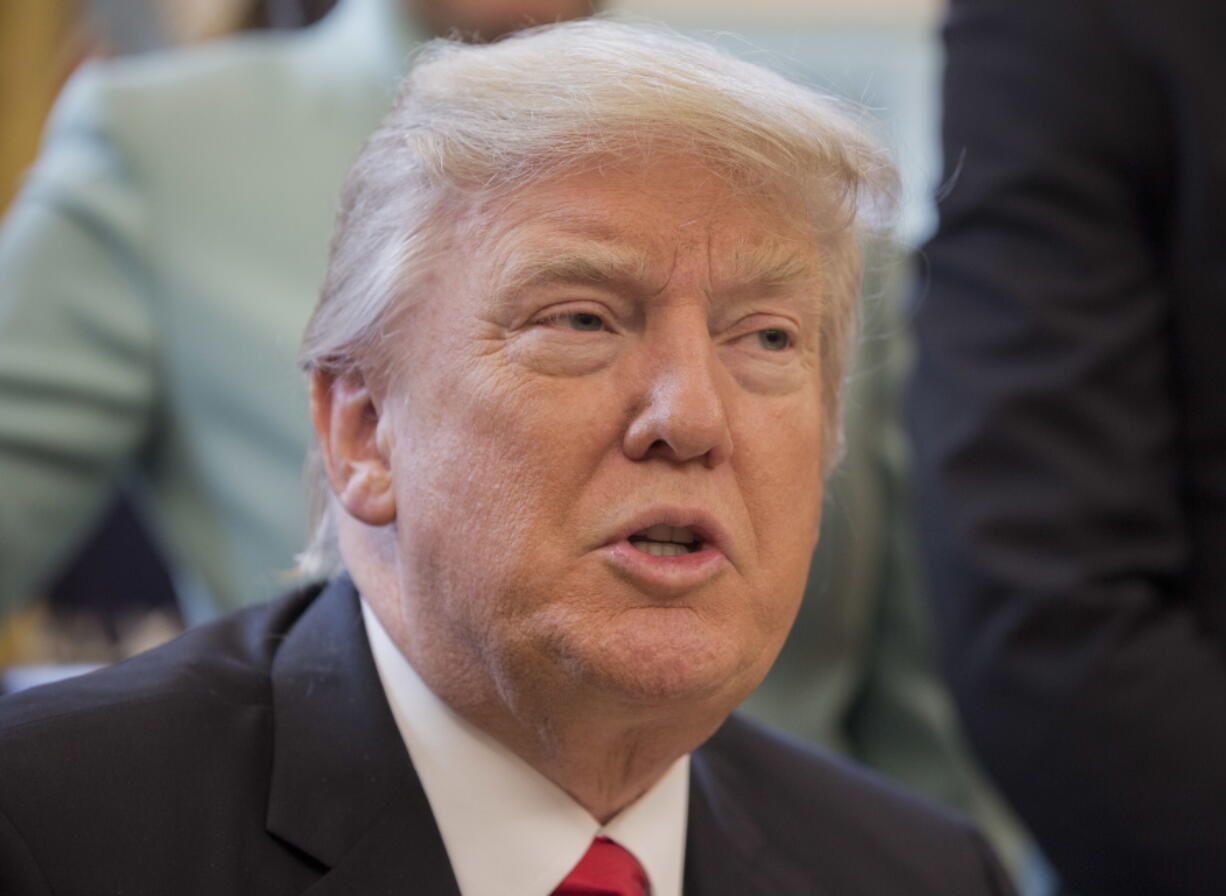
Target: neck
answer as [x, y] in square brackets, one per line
[605, 768]
[603, 753]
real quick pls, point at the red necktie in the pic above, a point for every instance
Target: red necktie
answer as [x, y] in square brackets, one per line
[606, 869]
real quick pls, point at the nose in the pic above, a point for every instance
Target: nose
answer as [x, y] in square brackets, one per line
[682, 415]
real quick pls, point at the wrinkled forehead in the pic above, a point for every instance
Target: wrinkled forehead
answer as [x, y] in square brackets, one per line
[637, 225]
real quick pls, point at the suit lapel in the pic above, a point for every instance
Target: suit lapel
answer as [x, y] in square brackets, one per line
[727, 853]
[720, 844]
[343, 789]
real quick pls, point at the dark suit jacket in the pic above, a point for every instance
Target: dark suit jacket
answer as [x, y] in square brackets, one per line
[1069, 410]
[258, 755]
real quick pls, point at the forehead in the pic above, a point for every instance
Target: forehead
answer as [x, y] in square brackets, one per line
[648, 225]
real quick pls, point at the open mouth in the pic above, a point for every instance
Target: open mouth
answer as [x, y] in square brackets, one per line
[666, 541]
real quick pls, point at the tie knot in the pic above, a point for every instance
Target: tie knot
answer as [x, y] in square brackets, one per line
[606, 869]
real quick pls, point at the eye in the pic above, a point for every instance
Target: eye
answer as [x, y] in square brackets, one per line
[583, 321]
[774, 340]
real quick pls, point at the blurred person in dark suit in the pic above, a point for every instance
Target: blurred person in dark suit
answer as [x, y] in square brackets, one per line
[575, 378]
[1070, 423]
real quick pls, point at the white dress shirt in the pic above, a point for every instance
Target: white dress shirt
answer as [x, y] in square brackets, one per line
[508, 830]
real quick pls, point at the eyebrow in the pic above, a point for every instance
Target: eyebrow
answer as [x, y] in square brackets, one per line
[771, 266]
[592, 254]
[595, 263]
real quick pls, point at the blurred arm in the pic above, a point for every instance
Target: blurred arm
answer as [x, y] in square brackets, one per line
[76, 341]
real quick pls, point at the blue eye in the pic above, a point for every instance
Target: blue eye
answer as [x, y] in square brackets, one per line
[774, 340]
[583, 321]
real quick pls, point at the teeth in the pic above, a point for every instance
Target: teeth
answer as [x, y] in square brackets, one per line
[669, 533]
[660, 548]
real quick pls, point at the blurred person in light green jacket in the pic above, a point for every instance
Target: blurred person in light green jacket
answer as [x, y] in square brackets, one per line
[156, 271]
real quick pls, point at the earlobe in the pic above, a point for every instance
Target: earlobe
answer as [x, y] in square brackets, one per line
[355, 449]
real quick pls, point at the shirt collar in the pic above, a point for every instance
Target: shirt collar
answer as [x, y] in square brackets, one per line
[508, 830]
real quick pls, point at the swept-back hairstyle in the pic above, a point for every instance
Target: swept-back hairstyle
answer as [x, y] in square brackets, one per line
[477, 122]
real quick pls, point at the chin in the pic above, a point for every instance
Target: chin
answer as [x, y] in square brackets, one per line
[669, 663]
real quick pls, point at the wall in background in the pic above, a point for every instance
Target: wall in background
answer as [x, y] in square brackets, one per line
[727, 13]
[38, 48]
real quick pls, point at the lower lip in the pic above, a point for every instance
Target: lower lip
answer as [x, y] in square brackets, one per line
[666, 575]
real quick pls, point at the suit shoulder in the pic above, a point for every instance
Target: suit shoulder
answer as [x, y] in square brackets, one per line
[817, 809]
[223, 662]
[152, 775]
[777, 759]
[199, 68]
[219, 93]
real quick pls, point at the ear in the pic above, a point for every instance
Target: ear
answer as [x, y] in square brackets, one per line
[352, 445]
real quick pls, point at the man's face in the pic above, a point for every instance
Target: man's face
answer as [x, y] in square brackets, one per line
[606, 438]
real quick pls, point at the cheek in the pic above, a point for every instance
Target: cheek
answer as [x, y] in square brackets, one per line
[461, 482]
[781, 474]
[490, 463]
